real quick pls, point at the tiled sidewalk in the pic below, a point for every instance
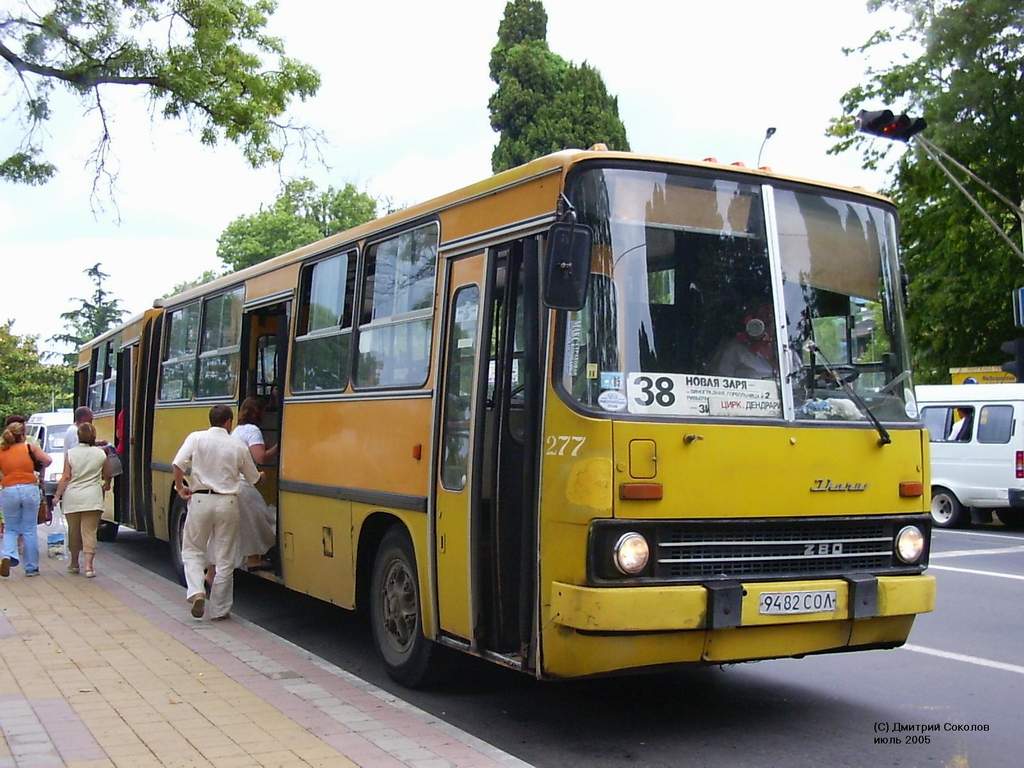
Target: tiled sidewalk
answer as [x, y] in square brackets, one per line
[112, 671]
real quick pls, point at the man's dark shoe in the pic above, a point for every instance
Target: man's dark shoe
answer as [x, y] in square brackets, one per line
[5, 567]
[198, 606]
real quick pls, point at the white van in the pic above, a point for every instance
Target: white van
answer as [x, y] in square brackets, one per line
[977, 451]
[49, 429]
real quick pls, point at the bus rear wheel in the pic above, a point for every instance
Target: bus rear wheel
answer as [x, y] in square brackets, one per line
[396, 611]
[947, 511]
[175, 531]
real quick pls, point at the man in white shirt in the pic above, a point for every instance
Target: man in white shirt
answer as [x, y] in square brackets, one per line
[215, 463]
[83, 415]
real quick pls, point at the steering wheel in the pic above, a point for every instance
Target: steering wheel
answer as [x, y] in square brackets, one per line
[839, 375]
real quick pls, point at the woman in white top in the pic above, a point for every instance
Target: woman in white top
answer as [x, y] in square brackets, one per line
[80, 492]
[257, 525]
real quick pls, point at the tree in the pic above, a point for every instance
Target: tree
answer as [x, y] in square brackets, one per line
[544, 103]
[301, 214]
[95, 315]
[208, 61]
[965, 78]
[208, 276]
[28, 385]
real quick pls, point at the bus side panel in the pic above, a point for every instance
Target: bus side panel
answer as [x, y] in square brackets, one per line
[536, 198]
[170, 428]
[362, 444]
[577, 484]
[316, 547]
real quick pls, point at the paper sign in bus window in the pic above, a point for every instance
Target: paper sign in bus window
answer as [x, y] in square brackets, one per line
[674, 394]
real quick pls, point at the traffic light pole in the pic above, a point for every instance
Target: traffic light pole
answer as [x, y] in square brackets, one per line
[934, 153]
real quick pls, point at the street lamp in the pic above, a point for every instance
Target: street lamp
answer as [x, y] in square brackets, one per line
[767, 135]
[884, 124]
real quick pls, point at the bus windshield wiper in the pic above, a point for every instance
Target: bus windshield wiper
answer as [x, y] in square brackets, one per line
[883, 433]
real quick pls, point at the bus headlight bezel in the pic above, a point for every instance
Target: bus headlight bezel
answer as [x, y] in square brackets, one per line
[631, 553]
[909, 544]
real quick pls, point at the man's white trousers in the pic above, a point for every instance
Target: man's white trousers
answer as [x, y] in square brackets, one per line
[211, 527]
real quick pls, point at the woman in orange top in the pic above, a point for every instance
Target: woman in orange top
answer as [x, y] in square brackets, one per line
[20, 497]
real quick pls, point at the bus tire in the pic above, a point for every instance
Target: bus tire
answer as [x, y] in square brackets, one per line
[175, 528]
[107, 531]
[396, 611]
[947, 511]
[1011, 518]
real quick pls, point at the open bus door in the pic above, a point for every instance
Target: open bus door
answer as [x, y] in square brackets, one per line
[486, 483]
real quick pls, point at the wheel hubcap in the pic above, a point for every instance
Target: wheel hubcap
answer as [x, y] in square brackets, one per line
[398, 606]
[942, 508]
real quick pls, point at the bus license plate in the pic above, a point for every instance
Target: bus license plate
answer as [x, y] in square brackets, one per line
[785, 603]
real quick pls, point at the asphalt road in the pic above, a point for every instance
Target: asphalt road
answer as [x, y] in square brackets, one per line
[962, 667]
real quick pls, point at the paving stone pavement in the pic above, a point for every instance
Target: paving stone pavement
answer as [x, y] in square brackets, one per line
[112, 671]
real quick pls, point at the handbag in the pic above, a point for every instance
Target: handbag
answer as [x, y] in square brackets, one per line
[112, 463]
[44, 516]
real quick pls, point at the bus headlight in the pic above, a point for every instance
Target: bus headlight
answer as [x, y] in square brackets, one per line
[631, 553]
[909, 544]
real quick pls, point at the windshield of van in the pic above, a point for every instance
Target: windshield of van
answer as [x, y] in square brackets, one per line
[55, 437]
[681, 318]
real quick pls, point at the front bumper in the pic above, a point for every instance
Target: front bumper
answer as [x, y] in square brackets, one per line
[692, 607]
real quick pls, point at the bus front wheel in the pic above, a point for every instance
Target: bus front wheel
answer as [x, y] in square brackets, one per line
[395, 611]
[947, 511]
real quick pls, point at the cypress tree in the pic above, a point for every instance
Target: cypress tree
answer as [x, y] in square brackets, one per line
[544, 103]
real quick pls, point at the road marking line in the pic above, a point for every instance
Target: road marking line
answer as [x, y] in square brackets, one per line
[1003, 536]
[976, 660]
[972, 570]
[971, 552]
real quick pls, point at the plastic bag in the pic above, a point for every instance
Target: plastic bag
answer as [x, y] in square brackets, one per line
[56, 539]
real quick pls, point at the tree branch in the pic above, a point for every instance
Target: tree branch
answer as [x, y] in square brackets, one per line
[89, 78]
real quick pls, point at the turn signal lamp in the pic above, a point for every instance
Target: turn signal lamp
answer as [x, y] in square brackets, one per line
[911, 489]
[641, 491]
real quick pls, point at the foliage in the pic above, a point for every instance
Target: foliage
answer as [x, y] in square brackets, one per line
[544, 103]
[965, 77]
[28, 385]
[208, 275]
[301, 214]
[208, 61]
[95, 315]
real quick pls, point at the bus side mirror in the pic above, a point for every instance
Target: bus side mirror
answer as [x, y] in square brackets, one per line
[568, 266]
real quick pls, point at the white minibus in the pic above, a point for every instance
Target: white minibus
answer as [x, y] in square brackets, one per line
[49, 429]
[977, 451]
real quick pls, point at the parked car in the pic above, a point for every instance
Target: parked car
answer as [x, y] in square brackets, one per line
[977, 452]
[49, 429]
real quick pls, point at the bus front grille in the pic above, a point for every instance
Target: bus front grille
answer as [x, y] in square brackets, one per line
[743, 549]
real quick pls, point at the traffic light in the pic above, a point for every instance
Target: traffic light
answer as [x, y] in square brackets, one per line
[882, 122]
[1016, 349]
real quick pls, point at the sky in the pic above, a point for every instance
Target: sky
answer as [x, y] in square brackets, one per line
[403, 105]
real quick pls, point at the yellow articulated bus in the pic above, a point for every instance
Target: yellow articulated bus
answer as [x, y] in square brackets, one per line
[601, 412]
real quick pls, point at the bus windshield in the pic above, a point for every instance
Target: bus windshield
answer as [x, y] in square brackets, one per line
[681, 317]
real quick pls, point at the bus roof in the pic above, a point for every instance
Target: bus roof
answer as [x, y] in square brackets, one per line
[557, 162]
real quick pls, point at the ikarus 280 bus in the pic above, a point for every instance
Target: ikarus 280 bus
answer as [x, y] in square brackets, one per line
[601, 412]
